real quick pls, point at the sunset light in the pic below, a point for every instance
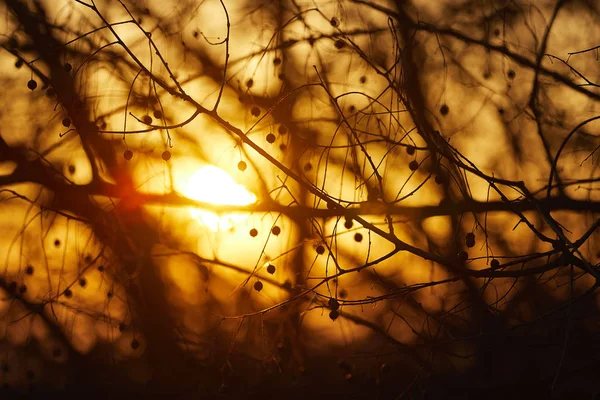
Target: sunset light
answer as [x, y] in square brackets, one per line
[213, 185]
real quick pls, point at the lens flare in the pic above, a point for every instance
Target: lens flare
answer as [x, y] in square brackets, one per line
[213, 185]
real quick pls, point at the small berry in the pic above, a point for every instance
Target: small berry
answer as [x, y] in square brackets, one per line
[348, 224]
[32, 84]
[66, 122]
[82, 282]
[101, 268]
[333, 304]
[29, 270]
[166, 155]
[253, 232]
[439, 179]
[249, 83]
[276, 230]
[282, 147]
[122, 327]
[307, 167]
[18, 63]
[135, 344]
[109, 295]
[56, 243]
[410, 149]
[363, 79]
[71, 169]
[470, 239]
[258, 286]
[255, 111]
[128, 155]
[147, 119]
[334, 22]
[68, 67]
[511, 74]
[339, 44]
[23, 289]
[157, 114]
[242, 166]
[68, 293]
[320, 249]
[444, 109]
[463, 256]
[495, 263]
[358, 237]
[270, 138]
[271, 269]
[277, 61]
[334, 314]
[413, 165]
[282, 129]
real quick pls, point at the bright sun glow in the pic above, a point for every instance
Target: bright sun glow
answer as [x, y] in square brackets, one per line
[213, 185]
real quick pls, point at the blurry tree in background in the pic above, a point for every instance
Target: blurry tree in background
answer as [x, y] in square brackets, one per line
[359, 198]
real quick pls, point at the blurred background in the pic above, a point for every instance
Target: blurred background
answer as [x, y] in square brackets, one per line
[357, 199]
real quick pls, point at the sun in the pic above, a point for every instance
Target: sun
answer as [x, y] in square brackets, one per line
[213, 185]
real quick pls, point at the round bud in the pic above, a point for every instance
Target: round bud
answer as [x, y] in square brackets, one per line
[413, 165]
[470, 239]
[339, 44]
[444, 109]
[68, 67]
[282, 129]
[253, 232]
[147, 119]
[358, 237]
[29, 270]
[255, 111]
[157, 114]
[334, 314]
[271, 138]
[439, 179]
[495, 263]
[271, 269]
[66, 122]
[320, 249]
[32, 84]
[276, 230]
[333, 304]
[242, 166]
[334, 22]
[166, 155]
[68, 293]
[82, 282]
[258, 286]
[463, 256]
[410, 149]
[348, 224]
[135, 344]
[128, 154]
